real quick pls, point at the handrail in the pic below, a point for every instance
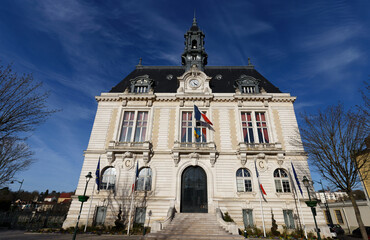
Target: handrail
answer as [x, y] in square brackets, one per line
[228, 226]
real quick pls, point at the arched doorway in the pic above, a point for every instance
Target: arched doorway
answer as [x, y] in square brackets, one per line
[194, 190]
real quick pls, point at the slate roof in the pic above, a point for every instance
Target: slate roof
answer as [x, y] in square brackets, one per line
[225, 85]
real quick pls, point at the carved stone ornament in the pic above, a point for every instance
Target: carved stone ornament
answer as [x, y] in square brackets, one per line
[262, 165]
[176, 158]
[280, 162]
[212, 158]
[195, 158]
[243, 158]
[110, 157]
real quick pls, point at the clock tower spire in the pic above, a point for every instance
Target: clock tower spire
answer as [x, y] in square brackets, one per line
[194, 53]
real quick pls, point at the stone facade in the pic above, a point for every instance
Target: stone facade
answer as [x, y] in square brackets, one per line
[224, 151]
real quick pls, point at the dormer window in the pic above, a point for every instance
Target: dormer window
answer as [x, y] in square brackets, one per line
[248, 89]
[141, 84]
[247, 84]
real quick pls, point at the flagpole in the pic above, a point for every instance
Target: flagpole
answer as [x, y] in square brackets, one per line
[300, 210]
[260, 190]
[299, 205]
[132, 201]
[263, 218]
[88, 213]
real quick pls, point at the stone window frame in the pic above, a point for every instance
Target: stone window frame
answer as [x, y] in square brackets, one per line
[202, 128]
[247, 85]
[108, 182]
[258, 136]
[243, 178]
[281, 181]
[143, 178]
[125, 123]
[141, 84]
[289, 218]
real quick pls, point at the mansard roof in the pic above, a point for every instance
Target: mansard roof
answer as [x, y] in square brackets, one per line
[163, 83]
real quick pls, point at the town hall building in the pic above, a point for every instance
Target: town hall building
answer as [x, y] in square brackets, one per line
[195, 138]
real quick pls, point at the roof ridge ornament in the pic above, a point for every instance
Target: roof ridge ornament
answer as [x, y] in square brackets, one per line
[194, 20]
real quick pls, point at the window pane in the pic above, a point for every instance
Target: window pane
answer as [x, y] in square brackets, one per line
[140, 130]
[247, 127]
[248, 185]
[262, 127]
[278, 186]
[186, 127]
[239, 184]
[128, 122]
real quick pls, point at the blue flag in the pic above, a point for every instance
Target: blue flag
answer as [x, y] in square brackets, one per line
[97, 174]
[296, 179]
[197, 113]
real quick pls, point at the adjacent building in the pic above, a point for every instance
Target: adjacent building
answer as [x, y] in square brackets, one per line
[197, 135]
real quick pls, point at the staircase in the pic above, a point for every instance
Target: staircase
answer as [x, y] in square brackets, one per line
[191, 226]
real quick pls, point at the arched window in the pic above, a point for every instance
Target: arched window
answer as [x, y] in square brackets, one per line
[144, 181]
[194, 44]
[281, 180]
[243, 180]
[108, 179]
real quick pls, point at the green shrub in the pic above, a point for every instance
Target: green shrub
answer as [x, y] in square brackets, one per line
[227, 217]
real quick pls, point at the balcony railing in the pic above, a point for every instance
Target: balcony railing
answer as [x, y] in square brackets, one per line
[194, 146]
[259, 146]
[130, 145]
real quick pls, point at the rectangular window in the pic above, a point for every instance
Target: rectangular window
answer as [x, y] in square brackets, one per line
[247, 127]
[289, 219]
[100, 215]
[279, 188]
[254, 127]
[140, 215]
[248, 218]
[326, 214]
[134, 120]
[248, 89]
[262, 127]
[141, 89]
[339, 217]
[188, 129]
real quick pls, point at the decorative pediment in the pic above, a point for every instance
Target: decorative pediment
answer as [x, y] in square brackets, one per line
[141, 84]
[247, 84]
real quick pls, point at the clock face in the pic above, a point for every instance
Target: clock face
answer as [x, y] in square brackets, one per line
[194, 83]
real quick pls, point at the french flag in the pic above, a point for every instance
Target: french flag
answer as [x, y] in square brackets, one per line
[258, 178]
[198, 114]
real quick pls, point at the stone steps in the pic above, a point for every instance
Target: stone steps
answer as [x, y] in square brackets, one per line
[192, 226]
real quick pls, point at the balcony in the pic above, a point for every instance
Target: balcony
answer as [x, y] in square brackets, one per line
[127, 149]
[194, 150]
[259, 149]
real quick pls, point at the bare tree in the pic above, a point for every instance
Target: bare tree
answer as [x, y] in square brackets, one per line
[22, 108]
[333, 138]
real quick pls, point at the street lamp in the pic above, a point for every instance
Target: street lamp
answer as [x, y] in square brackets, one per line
[21, 182]
[312, 204]
[326, 204]
[82, 199]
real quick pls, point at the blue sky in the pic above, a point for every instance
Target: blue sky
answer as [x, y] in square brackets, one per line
[316, 50]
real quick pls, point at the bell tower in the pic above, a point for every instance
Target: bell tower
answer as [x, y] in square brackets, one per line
[194, 53]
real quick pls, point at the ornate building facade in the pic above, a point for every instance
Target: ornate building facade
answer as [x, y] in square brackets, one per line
[195, 163]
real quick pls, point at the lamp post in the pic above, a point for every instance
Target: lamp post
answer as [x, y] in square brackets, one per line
[21, 182]
[312, 204]
[82, 199]
[326, 205]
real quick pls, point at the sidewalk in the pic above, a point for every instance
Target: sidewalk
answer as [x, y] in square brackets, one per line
[20, 235]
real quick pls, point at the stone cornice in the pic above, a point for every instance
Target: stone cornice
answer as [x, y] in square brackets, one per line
[173, 97]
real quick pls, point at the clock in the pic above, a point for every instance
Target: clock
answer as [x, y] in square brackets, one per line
[194, 83]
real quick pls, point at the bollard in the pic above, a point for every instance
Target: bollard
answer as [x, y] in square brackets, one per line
[245, 233]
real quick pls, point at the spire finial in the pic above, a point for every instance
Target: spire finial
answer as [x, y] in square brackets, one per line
[194, 19]
[249, 61]
[140, 60]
